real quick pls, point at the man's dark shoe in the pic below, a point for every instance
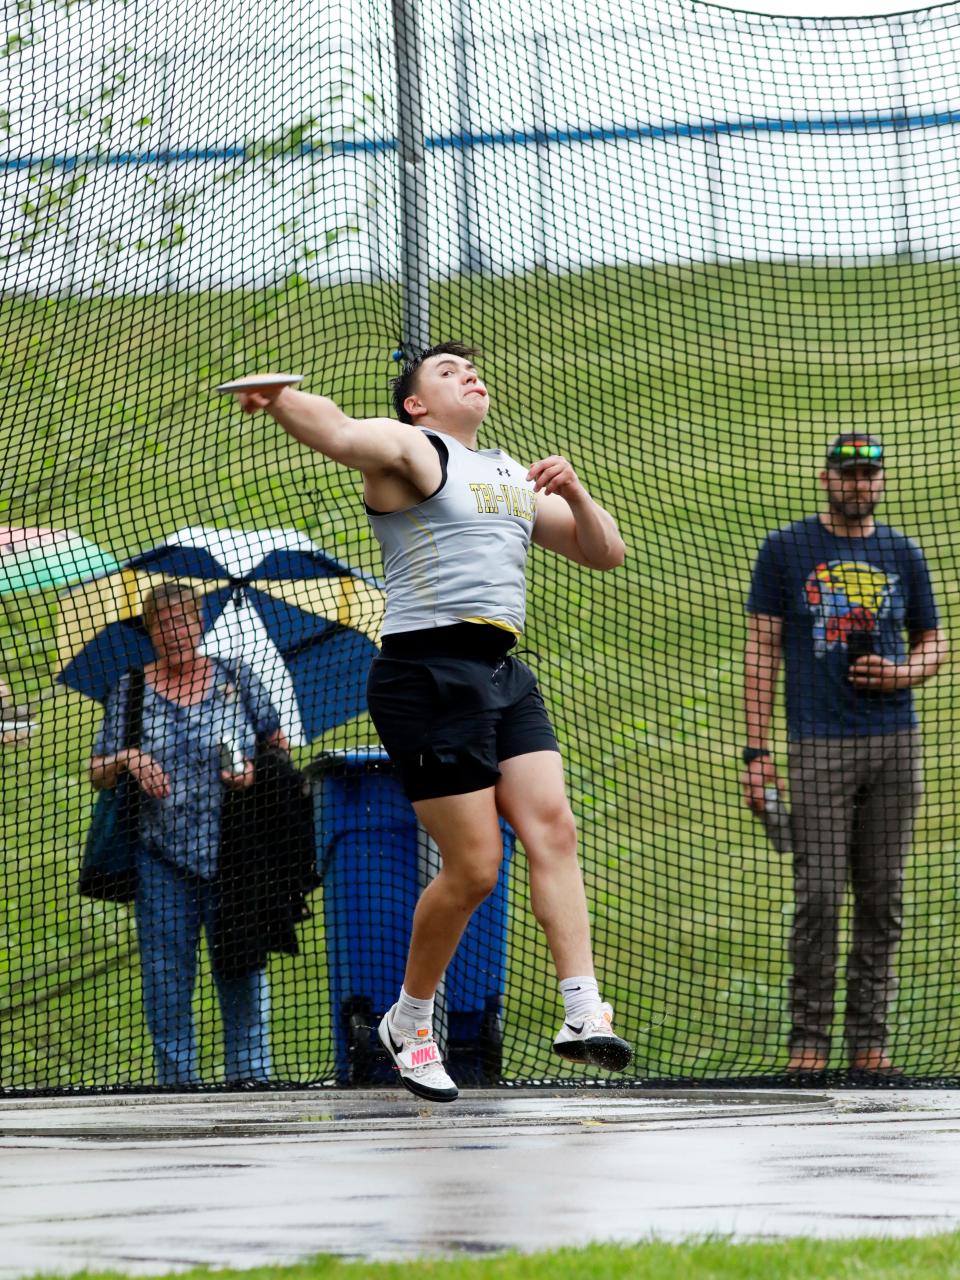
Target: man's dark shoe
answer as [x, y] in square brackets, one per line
[873, 1064]
[805, 1061]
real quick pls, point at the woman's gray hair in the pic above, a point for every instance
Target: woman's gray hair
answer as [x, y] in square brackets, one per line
[169, 595]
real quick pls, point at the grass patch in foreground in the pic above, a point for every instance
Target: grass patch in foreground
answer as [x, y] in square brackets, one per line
[926, 1258]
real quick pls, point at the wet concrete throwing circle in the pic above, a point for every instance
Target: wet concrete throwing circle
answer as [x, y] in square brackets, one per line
[148, 1184]
[325, 1113]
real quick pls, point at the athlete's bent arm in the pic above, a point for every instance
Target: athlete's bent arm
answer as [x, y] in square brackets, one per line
[569, 521]
[369, 445]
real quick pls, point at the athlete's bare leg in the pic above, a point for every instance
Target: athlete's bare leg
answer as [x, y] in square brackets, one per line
[467, 833]
[532, 797]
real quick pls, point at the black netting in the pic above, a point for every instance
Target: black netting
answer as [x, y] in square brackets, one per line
[693, 246]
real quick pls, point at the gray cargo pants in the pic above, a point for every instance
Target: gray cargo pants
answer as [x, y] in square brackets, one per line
[853, 802]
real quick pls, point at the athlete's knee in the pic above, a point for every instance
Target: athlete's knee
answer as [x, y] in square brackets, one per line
[474, 881]
[556, 830]
[564, 828]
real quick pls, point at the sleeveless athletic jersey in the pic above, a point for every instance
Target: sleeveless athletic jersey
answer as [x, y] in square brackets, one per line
[461, 554]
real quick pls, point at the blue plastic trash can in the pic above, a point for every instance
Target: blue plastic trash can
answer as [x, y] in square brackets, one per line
[374, 859]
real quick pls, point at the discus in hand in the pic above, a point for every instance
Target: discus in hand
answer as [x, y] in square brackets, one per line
[257, 390]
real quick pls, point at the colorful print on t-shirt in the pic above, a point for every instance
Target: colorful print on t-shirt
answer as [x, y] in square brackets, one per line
[846, 596]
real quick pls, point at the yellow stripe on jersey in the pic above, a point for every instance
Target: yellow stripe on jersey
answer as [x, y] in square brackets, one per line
[495, 622]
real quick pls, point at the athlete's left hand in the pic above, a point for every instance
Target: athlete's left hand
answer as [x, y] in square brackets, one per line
[879, 675]
[555, 475]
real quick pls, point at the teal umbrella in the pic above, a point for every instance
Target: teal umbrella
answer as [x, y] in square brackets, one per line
[40, 559]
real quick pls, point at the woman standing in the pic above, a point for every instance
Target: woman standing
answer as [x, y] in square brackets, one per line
[197, 717]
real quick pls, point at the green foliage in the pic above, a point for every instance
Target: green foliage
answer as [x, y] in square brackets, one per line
[46, 213]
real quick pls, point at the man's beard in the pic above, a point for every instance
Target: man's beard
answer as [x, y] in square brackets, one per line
[850, 509]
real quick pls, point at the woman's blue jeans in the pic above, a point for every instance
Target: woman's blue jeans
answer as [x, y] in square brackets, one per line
[172, 907]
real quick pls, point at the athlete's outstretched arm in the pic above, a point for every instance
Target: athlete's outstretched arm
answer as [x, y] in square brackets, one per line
[569, 521]
[370, 445]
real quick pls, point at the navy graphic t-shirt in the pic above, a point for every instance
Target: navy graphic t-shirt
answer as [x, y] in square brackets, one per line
[826, 588]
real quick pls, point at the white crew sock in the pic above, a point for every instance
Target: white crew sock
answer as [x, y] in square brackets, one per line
[581, 997]
[411, 1014]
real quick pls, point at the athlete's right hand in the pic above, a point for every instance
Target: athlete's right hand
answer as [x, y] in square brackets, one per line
[757, 776]
[261, 397]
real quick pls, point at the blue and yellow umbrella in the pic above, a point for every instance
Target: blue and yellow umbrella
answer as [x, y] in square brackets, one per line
[307, 624]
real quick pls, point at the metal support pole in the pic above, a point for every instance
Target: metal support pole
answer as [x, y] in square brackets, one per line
[171, 269]
[471, 259]
[543, 215]
[903, 142]
[716, 197]
[414, 207]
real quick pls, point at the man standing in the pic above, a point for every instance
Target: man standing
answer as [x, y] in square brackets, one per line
[833, 595]
[462, 721]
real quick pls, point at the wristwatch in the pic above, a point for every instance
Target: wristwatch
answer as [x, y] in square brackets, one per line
[754, 753]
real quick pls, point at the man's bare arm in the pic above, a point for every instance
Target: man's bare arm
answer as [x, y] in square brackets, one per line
[761, 665]
[373, 446]
[928, 652]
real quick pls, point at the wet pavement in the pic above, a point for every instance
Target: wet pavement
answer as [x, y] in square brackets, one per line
[151, 1184]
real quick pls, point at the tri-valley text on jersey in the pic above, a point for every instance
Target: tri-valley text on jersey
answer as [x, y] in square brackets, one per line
[516, 501]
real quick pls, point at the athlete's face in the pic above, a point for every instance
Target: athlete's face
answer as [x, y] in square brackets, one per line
[448, 390]
[853, 492]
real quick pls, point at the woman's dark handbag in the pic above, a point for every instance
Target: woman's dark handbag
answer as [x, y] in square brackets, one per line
[108, 871]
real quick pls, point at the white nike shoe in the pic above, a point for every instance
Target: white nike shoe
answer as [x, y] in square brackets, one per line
[418, 1060]
[594, 1042]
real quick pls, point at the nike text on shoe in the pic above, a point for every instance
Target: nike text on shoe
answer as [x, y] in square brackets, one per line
[418, 1060]
[592, 1041]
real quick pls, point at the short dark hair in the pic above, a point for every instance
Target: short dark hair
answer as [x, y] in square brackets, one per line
[405, 383]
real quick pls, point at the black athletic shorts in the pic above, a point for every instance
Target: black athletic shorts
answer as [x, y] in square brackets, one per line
[450, 714]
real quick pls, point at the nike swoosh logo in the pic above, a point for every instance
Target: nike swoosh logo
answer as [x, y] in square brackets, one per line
[576, 1030]
[397, 1048]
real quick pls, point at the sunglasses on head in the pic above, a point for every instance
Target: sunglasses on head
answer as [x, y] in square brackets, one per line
[868, 452]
